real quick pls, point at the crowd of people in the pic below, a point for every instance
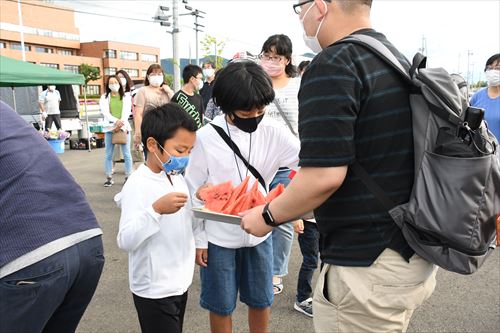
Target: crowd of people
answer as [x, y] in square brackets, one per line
[300, 126]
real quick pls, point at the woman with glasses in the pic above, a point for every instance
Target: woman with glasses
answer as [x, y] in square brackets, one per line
[489, 97]
[276, 59]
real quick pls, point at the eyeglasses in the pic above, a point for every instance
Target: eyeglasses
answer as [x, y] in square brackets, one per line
[298, 6]
[274, 59]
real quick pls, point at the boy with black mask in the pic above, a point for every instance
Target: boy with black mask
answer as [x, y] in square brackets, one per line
[242, 90]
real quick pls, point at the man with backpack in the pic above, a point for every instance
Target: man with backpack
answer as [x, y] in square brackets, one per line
[353, 107]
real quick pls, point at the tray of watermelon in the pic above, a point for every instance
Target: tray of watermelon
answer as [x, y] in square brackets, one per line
[224, 202]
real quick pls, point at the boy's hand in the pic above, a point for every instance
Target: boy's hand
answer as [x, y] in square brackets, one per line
[202, 257]
[298, 226]
[170, 203]
[204, 186]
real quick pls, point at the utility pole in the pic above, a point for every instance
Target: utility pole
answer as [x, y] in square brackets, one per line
[197, 29]
[469, 53]
[175, 45]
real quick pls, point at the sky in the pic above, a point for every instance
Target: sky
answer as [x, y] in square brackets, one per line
[456, 33]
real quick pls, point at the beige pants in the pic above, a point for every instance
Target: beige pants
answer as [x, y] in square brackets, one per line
[379, 298]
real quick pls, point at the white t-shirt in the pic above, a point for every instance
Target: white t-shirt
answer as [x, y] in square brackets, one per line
[289, 102]
[50, 100]
[272, 147]
[160, 248]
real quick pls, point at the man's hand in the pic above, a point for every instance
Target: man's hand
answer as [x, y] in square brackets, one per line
[202, 257]
[253, 222]
[298, 226]
[170, 203]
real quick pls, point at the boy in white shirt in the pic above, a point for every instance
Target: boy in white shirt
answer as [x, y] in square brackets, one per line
[231, 260]
[156, 221]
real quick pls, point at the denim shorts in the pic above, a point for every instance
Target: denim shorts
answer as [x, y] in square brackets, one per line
[248, 270]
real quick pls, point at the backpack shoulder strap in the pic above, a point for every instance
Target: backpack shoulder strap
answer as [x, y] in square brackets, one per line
[372, 186]
[381, 50]
[236, 150]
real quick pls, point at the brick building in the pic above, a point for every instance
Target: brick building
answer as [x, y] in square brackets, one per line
[52, 39]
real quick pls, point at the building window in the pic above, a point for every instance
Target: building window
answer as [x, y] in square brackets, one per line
[132, 72]
[17, 46]
[109, 70]
[65, 52]
[144, 73]
[40, 49]
[128, 55]
[3, 45]
[39, 32]
[56, 66]
[149, 57]
[72, 68]
[109, 54]
[92, 90]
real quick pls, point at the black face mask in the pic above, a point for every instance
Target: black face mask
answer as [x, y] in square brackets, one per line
[248, 125]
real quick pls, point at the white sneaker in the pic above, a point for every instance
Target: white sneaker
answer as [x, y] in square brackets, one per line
[304, 307]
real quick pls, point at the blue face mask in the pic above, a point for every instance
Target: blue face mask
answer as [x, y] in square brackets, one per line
[175, 165]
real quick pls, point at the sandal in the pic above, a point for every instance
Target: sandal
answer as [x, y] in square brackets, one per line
[278, 287]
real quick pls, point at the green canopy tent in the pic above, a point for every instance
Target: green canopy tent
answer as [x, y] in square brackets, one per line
[16, 73]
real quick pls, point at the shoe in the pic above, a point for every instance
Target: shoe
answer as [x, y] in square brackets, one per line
[109, 182]
[278, 287]
[304, 307]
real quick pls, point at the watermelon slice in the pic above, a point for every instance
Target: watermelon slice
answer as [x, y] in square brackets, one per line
[237, 192]
[237, 205]
[275, 192]
[217, 196]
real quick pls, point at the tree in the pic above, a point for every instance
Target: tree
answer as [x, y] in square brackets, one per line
[213, 49]
[90, 73]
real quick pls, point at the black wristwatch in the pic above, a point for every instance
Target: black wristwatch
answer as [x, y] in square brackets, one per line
[268, 217]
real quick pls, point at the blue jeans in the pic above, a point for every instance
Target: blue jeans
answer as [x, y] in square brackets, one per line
[247, 270]
[108, 160]
[52, 294]
[309, 247]
[283, 235]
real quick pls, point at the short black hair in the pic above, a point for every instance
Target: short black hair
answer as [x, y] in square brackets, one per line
[491, 60]
[283, 47]
[242, 85]
[211, 63]
[163, 122]
[190, 70]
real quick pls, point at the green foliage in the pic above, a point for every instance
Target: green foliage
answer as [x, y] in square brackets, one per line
[168, 79]
[480, 84]
[213, 49]
[90, 73]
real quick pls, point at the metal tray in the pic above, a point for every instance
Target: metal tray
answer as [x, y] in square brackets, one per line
[203, 213]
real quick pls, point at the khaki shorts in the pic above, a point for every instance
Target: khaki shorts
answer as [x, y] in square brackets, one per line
[379, 298]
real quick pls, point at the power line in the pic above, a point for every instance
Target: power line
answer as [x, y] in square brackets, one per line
[83, 12]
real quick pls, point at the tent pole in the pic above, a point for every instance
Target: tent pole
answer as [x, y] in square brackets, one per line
[14, 99]
[86, 117]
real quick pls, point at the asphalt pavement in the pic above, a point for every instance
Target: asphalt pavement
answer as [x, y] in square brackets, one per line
[459, 303]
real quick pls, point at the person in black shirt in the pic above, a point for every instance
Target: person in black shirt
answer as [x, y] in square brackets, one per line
[353, 107]
[209, 75]
[188, 97]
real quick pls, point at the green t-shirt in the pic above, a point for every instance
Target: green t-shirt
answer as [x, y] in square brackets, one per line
[115, 106]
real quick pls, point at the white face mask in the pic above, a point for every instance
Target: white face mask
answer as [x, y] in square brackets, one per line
[208, 72]
[493, 77]
[52, 88]
[200, 84]
[115, 87]
[123, 81]
[312, 42]
[155, 80]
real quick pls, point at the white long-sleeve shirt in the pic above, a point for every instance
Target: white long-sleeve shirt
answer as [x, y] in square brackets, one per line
[272, 146]
[109, 120]
[160, 248]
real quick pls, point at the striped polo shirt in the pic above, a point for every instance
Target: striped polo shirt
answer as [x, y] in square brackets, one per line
[353, 106]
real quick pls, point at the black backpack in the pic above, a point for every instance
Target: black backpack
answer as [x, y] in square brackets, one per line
[450, 217]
